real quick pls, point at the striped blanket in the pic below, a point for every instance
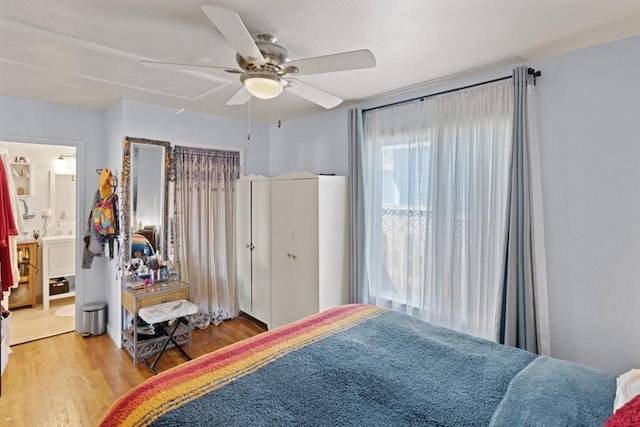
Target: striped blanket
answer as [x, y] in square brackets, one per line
[363, 365]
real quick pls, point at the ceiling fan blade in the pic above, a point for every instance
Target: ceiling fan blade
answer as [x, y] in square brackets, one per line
[354, 60]
[176, 66]
[232, 28]
[240, 97]
[313, 94]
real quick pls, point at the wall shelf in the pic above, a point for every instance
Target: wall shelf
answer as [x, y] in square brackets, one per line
[21, 178]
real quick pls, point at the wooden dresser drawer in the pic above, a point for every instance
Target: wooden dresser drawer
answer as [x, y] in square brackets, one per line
[148, 300]
[145, 300]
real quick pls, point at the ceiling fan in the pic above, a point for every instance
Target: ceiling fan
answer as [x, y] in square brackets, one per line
[265, 66]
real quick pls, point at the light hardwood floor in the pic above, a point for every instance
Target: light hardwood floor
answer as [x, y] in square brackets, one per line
[68, 380]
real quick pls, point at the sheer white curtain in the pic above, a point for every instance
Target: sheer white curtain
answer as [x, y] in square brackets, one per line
[205, 205]
[435, 187]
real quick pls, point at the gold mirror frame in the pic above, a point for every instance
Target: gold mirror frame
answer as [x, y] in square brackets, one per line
[125, 182]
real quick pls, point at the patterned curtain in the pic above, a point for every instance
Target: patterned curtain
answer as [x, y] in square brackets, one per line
[205, 214]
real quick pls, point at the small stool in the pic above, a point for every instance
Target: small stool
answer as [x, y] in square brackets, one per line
[173, 310]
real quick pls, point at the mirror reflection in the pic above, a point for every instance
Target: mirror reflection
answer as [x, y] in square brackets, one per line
[145, 198]
[62, 200]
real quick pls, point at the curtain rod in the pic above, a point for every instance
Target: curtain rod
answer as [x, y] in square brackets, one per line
[530, 71]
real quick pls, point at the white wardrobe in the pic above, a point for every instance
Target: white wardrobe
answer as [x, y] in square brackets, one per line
[308, 257]
[253, 246]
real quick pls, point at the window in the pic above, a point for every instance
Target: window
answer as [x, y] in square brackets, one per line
[404, 213]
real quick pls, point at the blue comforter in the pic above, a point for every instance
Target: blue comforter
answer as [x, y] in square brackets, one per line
[394, 370]
[387, 369]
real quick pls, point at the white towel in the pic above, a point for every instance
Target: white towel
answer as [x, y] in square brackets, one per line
[628, 387]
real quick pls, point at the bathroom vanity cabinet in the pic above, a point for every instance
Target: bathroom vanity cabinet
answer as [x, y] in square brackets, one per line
[58, 261]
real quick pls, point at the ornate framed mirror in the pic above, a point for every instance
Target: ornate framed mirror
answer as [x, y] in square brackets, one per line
[145, 197]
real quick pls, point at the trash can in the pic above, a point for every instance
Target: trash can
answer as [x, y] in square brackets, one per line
[94, 318]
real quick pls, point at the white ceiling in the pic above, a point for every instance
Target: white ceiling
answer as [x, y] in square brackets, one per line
[86, 52]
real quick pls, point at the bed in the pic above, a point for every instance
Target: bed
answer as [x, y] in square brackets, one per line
[364, 365]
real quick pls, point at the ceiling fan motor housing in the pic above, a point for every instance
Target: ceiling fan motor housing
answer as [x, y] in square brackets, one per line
[274, 55]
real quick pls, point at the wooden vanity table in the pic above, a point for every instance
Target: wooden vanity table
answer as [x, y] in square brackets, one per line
[134, 300]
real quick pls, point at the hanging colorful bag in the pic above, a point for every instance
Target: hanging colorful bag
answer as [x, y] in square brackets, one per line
[104, 217]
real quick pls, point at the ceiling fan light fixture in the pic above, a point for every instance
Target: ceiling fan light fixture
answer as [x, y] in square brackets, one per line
[263, 86]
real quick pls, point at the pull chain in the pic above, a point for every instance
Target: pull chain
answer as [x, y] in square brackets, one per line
[279, 111]
[249, 130]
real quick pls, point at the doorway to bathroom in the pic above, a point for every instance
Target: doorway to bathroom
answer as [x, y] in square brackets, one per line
[43, 178]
